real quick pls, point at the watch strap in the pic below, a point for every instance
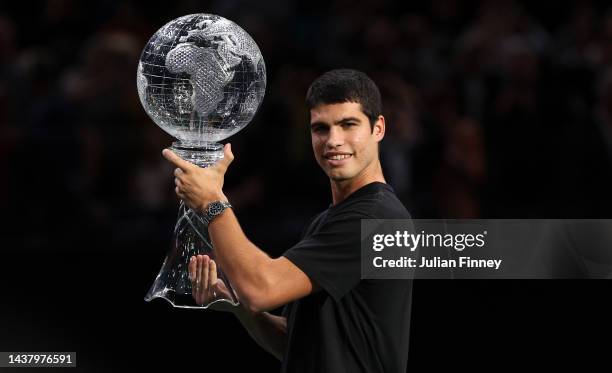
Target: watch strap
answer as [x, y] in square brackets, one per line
[215, 209]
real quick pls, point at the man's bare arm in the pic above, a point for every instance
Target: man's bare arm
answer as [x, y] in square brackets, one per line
[262, 283]
[269, 331]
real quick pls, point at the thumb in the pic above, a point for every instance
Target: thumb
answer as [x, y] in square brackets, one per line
[228, 156]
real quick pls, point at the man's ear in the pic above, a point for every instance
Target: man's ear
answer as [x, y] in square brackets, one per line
[379, 128]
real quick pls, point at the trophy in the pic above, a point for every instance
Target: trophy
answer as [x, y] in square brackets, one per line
[201, 78]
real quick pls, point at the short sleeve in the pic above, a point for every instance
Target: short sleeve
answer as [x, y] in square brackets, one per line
[331, 256]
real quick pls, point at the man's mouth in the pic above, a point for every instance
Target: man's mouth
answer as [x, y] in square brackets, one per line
[337, 158]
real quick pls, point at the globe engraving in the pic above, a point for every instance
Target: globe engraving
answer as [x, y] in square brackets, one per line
[201, 78]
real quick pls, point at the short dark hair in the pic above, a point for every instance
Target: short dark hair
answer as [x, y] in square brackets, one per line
[346, 85]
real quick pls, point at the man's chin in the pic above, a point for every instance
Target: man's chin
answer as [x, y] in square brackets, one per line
[338, 176]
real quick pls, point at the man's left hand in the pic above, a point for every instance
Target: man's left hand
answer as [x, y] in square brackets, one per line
[199, 186]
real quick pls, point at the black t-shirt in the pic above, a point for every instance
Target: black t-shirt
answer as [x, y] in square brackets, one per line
[350, 325]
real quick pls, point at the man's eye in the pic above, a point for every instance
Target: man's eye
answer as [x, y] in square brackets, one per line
[349, 124]
[319, 129]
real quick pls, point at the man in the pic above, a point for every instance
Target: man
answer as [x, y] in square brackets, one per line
[333, 321]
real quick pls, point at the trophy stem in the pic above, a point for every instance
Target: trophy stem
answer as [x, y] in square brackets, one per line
[191, 238]
[202, 154]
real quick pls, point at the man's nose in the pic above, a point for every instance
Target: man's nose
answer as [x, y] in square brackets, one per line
[336, 137]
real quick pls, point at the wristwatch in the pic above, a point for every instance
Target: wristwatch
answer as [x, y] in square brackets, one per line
[214, 209]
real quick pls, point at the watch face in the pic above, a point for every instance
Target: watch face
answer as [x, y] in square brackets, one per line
[215, 208]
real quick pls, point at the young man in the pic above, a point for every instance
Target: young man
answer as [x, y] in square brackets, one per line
[333, 320]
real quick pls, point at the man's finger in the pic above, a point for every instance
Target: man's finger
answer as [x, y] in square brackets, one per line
[228, 157]
[213, 273]
[192, 277]
[198, 283]
[192, 269]
[180, 194]
[205, 270]
[176, 160]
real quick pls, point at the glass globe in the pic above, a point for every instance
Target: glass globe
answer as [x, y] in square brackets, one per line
[201, 78]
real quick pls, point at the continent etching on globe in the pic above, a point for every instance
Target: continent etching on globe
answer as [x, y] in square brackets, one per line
[208, 76]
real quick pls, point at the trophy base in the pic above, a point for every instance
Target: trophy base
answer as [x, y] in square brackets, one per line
[186, 301]
[202, 154]
[172, 282]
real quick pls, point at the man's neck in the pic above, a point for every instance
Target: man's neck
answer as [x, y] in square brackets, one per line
[344, 188]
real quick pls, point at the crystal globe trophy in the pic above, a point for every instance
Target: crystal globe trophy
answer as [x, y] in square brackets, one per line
[201, 78]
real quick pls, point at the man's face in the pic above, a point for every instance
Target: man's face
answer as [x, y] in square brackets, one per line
[343, 142]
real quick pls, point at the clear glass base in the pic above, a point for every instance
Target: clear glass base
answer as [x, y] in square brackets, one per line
[173, 283]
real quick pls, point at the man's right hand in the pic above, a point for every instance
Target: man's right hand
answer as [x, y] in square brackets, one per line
[205, 286]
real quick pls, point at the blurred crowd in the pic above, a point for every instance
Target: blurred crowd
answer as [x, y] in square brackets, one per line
[496, 108]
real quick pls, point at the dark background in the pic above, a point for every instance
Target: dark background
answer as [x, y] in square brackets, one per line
[495, 109]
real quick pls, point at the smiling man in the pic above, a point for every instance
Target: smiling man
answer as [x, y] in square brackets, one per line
[333, 321]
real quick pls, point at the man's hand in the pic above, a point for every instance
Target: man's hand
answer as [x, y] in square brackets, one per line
[200, 186]
[205, 286]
